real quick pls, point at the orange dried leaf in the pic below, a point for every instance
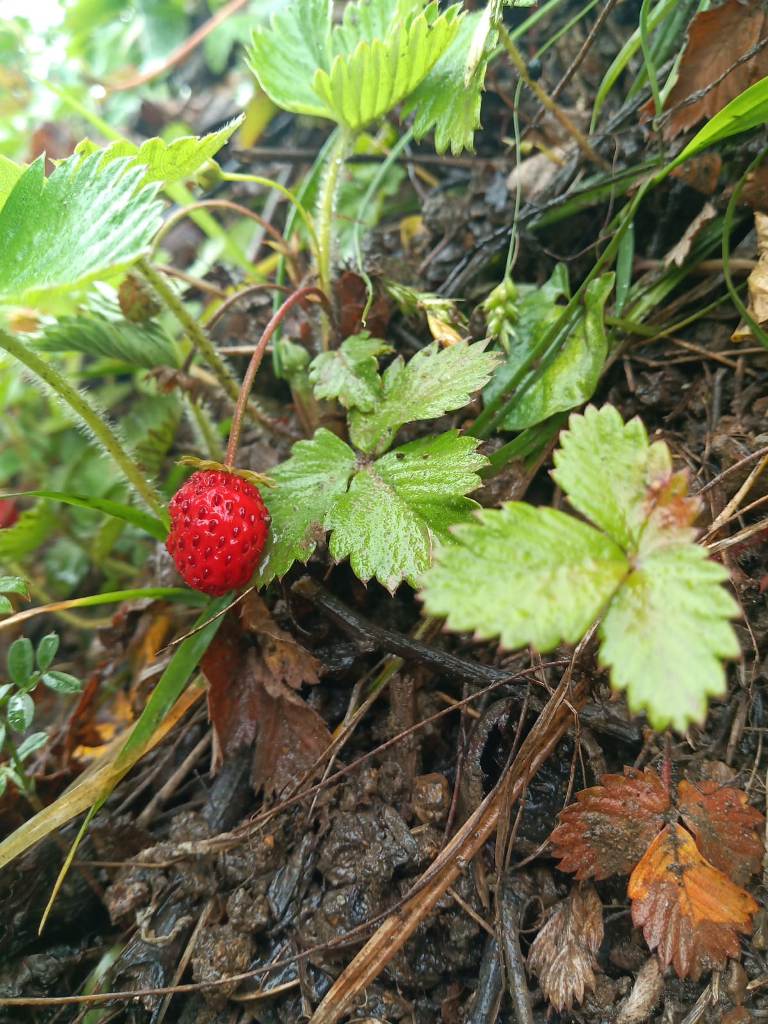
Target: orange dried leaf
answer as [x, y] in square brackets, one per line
[608, 829]
[563, 954]
[689, 911]
[728, 831]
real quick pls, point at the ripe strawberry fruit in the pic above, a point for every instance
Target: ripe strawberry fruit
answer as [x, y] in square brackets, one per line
[219, 525]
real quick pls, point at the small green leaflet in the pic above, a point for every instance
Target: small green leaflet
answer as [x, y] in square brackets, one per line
[82, 223]
[147, 345]
[527, 575]
[434, 382]
[397, 508]
[306, 485]
[538, 576]
[350, 373]
[165, 162]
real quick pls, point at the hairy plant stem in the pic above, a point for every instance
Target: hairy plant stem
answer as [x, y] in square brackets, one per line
[326, 209]
[88, 414]
[258, 355]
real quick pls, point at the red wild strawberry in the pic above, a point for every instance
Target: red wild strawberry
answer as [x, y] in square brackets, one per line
[219, 525]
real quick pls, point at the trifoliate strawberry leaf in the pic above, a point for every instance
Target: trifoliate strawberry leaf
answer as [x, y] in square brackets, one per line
[527, 575]
[609, 471]
[398, 507]
[306, 486]
[146, 345]
[363, 85]
[665, 634]
[432, 383]
[445, 102]
[82, 223]
[572, 376]
[350, 373]
[165, 162]
[285, 55]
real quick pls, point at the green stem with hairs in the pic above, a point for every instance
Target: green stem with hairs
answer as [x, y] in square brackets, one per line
[88, 414]
[326, 207]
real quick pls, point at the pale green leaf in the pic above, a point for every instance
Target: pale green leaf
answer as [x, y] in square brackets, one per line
[285, 55]
[5, 605]
[146, 345]
[306, 485]
[350, 373]
[747, 111]
[367, 20]
[572, 376]
[444, 102]
[665, 633]
[362, 86]
[161, 161]
[82, 223]
[607, 469]
[14, 585]
[527, 575]
[33, 742]
[62, 682]
[21, 660]
[399, 507]
[20, 711]
[435, 381]
[10, 172]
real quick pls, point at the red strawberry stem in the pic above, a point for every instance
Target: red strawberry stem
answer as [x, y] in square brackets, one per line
[258, 355]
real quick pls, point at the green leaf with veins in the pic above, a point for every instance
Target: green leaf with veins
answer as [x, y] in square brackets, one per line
[572, 376]
[665, 634]
[82, 223]
[366, 83]
[147, 345]
[20, 711]
[444, 102]
[434, 382]
[306, 486]
[398, 507]
[608, 469]
[285, 55]
[10, 172]
[161, 161]
[366, 20]
[33, 527]
[350, 373]
[527, 575]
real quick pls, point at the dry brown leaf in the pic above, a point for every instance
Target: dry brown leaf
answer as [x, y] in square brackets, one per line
[700, 172]
[563, 954]
[689, 911]
[285, 660]
[645, 996]
[757, 283]
[717, 40]
[678, 254]
[608, 829]
[728, 831]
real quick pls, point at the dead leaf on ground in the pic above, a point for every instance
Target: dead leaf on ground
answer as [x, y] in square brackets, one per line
[700, 172]
[608, 829]
[679, 252]
[690, 912]
[728, 831]
[645, 996]
[563, 954]
[757, 283]
[287, 661]
[712, 71]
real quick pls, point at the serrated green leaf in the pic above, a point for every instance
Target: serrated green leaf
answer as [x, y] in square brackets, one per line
[435, 381]
[14, 585]
[33, 527]
[62, 682]
[350, 373]
[165, 162]
[21, 660]
[665, 633]
[20, 712]
[306, 486]
[33, 742]
[62, 232]
[367, 83]
[147, 345]
[607, 469]
[572, 376]
[127, 513]
[151, 428]
[399, 507]
[366, 20]
[444, 101]
[46, 651]
[527, 575]
[10, 172]
[285, 56]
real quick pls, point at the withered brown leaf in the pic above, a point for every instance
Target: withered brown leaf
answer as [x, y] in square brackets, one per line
[608, 829]
[563, 954]
[689, 911]
[728, 831]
